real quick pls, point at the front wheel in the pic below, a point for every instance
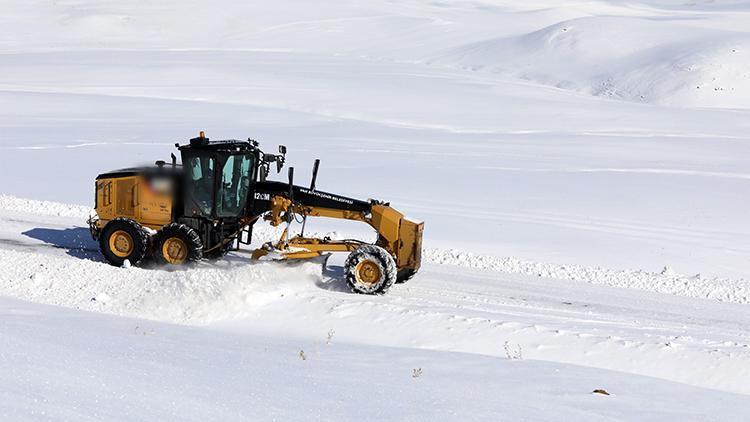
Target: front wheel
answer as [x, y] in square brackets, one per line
[177, 244]
[370, 269]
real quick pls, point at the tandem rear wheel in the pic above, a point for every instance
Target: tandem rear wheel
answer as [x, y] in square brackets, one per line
[177, 244]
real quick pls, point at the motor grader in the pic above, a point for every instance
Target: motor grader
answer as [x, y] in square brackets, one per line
[206, 206]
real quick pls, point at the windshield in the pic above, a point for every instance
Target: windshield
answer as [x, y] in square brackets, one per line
[235, 184]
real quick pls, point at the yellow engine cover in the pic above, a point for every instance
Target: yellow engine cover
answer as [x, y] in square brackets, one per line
[131, 197]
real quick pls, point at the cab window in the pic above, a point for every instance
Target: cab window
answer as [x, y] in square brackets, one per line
[202, 177]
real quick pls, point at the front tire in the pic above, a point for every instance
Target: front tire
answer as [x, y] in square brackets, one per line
[177, 244]
[123, 239]
[370, 269]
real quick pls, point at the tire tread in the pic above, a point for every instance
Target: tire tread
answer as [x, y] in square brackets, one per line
[136, 231]
[388, 264]
[184, 232]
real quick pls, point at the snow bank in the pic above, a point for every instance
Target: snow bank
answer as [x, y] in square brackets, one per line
[32, 206]
[721, 289]
[196, 296]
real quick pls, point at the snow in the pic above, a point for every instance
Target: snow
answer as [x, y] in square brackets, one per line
[199, 295]
[581, 169]
[679, 63]
[457, 303]
[665, 281]
[123, 369]
[726, 290]
[22, 205]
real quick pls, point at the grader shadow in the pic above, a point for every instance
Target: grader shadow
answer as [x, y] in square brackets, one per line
[333, 279]
[76, 241]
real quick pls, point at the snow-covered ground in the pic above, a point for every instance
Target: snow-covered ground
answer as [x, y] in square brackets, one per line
[511, 338]
[108, 368]
[581, 168]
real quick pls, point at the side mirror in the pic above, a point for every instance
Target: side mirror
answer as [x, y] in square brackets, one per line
[280, 158]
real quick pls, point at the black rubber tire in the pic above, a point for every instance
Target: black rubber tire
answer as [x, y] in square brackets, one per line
[382, 258]
[137, 233]
[184, 233]
[405, 275]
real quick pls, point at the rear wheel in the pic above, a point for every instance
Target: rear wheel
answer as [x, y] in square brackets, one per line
[177, 244]
[370, 270]
[123, 239]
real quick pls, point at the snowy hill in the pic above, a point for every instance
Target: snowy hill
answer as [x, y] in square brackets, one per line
[581, 168]
[626, 58]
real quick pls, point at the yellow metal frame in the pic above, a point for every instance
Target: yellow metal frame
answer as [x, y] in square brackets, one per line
[396, 234]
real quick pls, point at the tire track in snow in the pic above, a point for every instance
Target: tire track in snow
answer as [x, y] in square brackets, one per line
[721, 289]
[620, 227]
[635, 170]
[477, 312]
[474, 304]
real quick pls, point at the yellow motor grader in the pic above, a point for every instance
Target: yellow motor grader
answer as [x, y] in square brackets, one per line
[206, 206]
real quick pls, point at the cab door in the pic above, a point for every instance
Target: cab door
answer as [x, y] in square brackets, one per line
[235, 178]
[200, 182]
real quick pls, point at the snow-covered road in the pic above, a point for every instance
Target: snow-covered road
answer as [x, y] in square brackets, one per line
[48, 257]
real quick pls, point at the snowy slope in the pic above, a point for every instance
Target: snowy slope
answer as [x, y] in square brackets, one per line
[127, 369]
[679, 63]
[581, 168]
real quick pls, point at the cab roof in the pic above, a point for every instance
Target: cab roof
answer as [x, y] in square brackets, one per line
[229, 145]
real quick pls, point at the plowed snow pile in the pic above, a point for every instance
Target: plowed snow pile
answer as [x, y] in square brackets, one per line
[10, 203]
[195, 296]
[199, 295]
[725, 290]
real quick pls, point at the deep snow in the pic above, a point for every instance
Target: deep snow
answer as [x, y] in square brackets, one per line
[581, 168]
[108, 368]
[458, 302]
